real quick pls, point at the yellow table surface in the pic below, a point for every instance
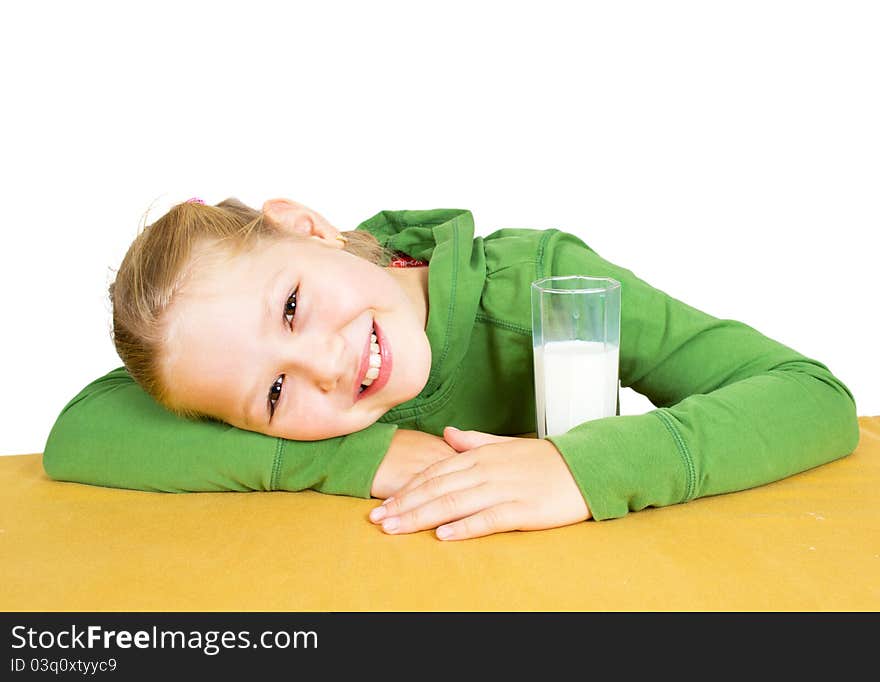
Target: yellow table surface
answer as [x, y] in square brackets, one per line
[809, 542]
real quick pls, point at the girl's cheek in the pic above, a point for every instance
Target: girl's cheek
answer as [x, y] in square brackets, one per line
[323, 423]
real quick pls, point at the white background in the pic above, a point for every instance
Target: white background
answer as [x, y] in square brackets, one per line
[726, 152]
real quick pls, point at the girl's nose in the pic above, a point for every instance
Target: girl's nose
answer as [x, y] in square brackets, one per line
[318, 358]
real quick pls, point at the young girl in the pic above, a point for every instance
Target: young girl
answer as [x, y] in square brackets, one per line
[265, 350]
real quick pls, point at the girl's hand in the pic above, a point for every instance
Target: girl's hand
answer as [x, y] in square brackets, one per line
[494, 484]
[410, 453]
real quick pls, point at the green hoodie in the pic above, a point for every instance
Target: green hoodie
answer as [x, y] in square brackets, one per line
[735, 409]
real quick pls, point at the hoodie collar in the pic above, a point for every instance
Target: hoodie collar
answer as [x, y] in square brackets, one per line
[456, 274]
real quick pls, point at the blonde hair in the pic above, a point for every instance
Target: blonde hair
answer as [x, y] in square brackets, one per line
[158, 262]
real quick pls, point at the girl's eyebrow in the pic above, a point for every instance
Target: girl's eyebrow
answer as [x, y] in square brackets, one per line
[276, 284]
[276, 287]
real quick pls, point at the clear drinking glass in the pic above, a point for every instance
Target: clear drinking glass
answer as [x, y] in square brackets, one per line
[576, 344]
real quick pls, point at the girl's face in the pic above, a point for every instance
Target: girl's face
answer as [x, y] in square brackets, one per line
[277, 339]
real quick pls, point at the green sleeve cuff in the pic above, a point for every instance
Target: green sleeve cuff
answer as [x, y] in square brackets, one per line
[345, 465]
[626, 463]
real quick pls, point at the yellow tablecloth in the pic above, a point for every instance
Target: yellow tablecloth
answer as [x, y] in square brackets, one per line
[809, 542]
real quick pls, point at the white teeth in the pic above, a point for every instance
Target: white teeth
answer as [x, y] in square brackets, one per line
[375, 361]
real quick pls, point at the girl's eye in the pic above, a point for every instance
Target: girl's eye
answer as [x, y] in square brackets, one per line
[275, 395]
[290, 306]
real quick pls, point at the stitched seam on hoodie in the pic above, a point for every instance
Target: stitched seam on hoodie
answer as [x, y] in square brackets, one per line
[276, 465]
[451, 309]
[504, 325]
[539, 270]
[682, 451]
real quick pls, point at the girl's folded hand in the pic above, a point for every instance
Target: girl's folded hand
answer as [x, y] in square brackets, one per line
[410, 452]
[494, 484]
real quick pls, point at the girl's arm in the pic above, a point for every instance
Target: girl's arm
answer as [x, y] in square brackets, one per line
[736, 409]
[113, 434]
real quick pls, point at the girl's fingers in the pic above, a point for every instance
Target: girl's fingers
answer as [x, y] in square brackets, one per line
[450, 506]
[497, 519]
[443, 491]
[469, 440]
[444, 466]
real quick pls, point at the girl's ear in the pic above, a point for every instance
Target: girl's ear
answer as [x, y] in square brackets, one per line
[288, 216]
[300, 220]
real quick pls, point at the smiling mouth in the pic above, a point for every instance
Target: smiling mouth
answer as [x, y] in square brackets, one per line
[375, 364]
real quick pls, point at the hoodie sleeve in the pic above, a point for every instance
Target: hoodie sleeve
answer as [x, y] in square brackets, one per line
[113, 434]
[736, 409]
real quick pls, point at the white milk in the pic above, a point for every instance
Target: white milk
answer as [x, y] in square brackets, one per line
[575, 381]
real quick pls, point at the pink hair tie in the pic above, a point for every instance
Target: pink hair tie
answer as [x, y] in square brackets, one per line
[194, 200]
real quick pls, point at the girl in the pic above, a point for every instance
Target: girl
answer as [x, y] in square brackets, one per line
[265, 350]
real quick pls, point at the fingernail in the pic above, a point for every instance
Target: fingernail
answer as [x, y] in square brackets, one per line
[452, 428]
[387, 500]
[391, 524]
[378, 513]
[444, 532]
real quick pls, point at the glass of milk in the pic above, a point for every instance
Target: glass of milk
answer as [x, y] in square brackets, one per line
[576, 344]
